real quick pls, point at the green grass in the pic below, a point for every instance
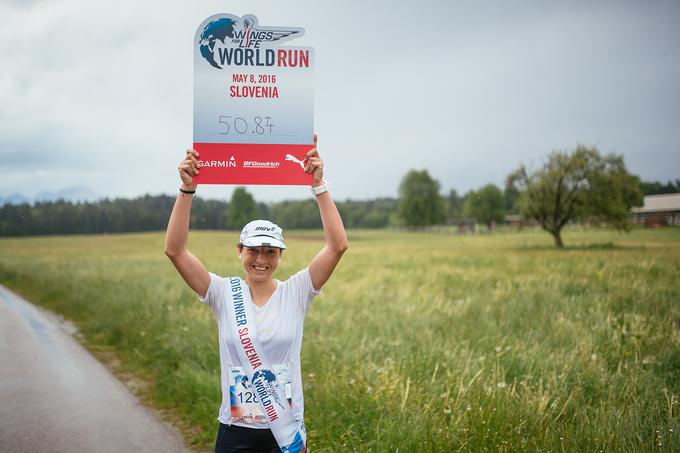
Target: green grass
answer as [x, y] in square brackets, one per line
[420, 342]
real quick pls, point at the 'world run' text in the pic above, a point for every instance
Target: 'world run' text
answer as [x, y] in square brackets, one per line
[285, 58]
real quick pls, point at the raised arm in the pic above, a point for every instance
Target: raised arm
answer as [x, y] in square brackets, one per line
[323, 264]
[189, 267]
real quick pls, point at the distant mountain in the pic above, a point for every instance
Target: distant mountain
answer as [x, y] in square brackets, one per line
[74, 194]
[79, 193]
[15, 198]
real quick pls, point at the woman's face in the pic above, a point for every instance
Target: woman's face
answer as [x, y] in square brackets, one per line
[259, 263]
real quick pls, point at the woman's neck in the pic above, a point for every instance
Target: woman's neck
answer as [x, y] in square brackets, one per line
[260, 292]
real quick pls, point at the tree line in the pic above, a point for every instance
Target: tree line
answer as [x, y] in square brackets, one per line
[570, 186]
[581, 185]
[151, 213]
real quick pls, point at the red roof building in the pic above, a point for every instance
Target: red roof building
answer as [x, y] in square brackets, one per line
[658, 210]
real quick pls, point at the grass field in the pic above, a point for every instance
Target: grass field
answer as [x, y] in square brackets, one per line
[420, 342]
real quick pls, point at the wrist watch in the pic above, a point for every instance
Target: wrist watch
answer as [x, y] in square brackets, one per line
[323, 187]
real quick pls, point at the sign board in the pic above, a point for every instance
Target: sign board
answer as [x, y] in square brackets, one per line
[253, 102]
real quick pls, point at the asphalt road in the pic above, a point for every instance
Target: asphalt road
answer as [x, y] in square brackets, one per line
[55, 396]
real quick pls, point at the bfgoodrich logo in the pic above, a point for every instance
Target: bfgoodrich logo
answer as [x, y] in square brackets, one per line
[260, 164]
[229, 163]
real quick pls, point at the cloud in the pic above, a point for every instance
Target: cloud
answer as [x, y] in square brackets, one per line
[100, 94]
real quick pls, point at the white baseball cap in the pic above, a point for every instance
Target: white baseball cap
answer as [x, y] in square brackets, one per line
[260, 233]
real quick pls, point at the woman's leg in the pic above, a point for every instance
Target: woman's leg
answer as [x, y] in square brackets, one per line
[237, 439]
[269, 444]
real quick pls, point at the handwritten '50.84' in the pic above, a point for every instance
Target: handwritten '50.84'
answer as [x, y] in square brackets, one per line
[236, 125]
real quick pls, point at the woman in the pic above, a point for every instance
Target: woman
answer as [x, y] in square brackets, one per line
[260, 320]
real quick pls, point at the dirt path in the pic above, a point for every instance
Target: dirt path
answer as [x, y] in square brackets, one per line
[55, 396]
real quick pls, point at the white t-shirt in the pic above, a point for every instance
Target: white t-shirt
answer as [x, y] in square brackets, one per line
[279, 326]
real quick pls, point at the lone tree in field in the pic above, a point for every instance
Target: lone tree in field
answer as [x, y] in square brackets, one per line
[578, 185]
[419, 201]
[242, 209]
[486, 205]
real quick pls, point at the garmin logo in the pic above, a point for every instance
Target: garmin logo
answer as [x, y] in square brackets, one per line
[231, 163]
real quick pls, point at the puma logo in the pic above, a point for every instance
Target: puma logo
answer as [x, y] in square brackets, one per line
[292, 158]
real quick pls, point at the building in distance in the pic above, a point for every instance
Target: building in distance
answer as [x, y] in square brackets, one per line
[658, 210]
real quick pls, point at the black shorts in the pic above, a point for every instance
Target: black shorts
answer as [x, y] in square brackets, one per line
[232, 438]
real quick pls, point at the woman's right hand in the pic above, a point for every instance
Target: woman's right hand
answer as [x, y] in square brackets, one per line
[188, 168]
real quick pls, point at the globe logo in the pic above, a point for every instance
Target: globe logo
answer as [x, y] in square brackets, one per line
[267, 375]
[268, 379]
[219, 29]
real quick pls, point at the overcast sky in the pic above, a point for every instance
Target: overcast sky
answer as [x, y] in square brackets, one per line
[99, 94]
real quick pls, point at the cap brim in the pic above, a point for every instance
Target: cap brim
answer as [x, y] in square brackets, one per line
[264, 241]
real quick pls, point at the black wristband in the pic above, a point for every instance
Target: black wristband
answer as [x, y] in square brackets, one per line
[190, 192]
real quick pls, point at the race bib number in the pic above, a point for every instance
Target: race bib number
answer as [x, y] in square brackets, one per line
[253, 102]
[244, 405]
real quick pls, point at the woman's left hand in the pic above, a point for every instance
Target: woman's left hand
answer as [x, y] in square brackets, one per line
[314, 164]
